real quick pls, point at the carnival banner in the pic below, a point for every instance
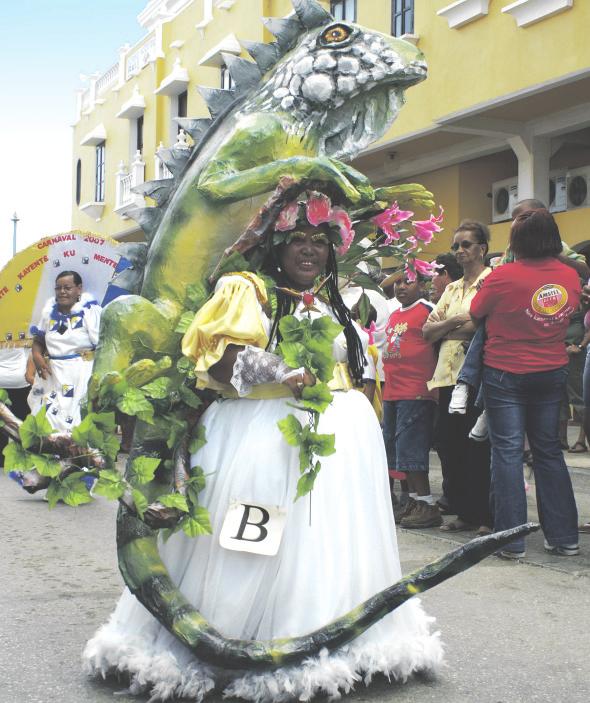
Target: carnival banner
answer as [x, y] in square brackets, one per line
[28, 279]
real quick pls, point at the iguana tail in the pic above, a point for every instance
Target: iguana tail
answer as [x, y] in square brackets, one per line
[147, 577]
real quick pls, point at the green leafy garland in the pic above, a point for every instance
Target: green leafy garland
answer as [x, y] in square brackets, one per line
[306, 343]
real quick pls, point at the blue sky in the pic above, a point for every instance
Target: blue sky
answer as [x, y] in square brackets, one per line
[44, 47]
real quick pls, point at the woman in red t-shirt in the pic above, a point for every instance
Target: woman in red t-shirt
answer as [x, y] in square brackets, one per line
[526, 307]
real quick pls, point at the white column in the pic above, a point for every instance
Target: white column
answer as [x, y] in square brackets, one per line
[122, 77]
[533, 154]
[121, 173]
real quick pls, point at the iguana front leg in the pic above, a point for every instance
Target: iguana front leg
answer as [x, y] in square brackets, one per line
[218, 183]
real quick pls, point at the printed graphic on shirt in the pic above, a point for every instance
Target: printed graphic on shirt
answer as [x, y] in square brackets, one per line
[394, 338]
[549, 299]
[67, 391]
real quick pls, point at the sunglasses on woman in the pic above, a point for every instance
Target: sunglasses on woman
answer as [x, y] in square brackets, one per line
[465, 244]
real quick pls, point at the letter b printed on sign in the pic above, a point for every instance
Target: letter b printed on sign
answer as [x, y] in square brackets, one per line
[252, 527]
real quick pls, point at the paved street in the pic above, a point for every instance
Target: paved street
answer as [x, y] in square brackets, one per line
[514, 632]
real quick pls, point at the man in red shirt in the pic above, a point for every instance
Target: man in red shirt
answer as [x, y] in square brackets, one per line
[408, 408]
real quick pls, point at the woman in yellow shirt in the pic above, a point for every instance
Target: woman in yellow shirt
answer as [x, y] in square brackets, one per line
[465, 463]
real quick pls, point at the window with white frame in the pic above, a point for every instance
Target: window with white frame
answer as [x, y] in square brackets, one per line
[78, 181]
[99, 187]
[402, 17]
[343, 10]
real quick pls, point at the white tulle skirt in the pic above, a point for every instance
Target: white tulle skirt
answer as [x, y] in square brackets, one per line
[338, 549]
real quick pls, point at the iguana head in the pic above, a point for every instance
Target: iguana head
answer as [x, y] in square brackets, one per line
[342, 85]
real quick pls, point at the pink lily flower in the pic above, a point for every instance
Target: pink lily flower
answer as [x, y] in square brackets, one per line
[342, 219]
[319, 209]
[370, 330]
[424, 268]
[425, 229]
[287, 218]
[413, 243]
[387, 219]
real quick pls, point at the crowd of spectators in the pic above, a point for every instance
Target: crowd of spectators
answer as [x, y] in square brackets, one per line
[476, 365]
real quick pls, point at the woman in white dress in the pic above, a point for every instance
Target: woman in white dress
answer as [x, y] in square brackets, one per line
[63, 350]
[338, 546]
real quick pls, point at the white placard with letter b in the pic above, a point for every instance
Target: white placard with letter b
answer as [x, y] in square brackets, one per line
[252, 527]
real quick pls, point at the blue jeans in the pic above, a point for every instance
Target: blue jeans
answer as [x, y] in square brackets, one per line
[407, 432]
[519, 403]
[471, 371]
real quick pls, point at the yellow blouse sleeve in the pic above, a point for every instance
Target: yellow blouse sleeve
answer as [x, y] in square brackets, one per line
[232, 316]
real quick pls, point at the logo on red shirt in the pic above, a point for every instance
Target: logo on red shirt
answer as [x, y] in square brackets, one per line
[549, 299]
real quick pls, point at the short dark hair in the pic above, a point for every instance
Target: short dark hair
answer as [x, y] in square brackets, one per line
[535, 235]
[527, 204]
[478, 229]
[74, 274]
[449, 263]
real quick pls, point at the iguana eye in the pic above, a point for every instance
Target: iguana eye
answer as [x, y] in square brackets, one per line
[335, 34]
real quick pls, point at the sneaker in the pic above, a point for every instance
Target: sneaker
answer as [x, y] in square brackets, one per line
[479, 431]
[458, 404]
[402, 510]
[423, 515]
[505, 554]
[562, 550]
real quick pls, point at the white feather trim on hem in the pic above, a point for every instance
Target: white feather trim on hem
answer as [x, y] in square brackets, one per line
[160, 675]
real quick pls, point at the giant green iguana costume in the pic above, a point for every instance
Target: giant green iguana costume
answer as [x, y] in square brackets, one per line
[321, 93]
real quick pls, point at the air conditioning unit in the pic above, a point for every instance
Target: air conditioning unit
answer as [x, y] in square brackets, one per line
[578, 188]
[504, 198]
[557, 191]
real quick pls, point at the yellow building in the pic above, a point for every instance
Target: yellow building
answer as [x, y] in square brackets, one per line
[503, 115]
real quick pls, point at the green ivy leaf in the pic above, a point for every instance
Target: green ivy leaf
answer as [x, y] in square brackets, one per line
[160, 388]
[316, 397]
[322, 444]
[294, 354]
[364, 306]
[190, 397]
[110, 484]
[34, 428]
[185, 365]
[322, 362]
[324, 328]
[174, 500]
[134, 402]
[195, 485]
[305, 484]
[110, 446]
[140, 502]
[4, 397]
[291, 429]
[198, 439]
[142, 470]
[197, 294]
[74, 491]
[16, 458]
[185, 321]
[175, 428]
[293, 329]
[197, 523]
[54, 494]
[46, 465]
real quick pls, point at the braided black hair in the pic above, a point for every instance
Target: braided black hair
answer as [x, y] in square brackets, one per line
[286, 305]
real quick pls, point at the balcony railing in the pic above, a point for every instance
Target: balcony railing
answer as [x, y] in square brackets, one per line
[124, 198]
[108, 79]
[139, 58]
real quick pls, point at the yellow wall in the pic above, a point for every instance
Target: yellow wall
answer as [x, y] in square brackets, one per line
[486, 58]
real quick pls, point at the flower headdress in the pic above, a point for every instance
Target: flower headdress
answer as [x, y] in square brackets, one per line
[317, 210]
